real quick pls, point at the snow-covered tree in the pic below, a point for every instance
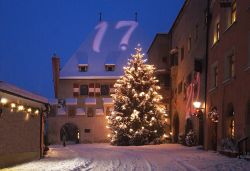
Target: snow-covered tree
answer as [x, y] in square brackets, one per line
[138, 116]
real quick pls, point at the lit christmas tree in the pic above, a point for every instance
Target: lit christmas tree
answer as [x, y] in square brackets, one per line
[138, 116]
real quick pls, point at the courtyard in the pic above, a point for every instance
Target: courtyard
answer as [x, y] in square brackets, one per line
[103, 157]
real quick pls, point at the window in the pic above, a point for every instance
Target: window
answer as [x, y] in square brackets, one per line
[179, 87]
[83, 67]
[214, 75]
[97, 89]
[174, 59]
[104, 90]
[215, 70]
[232, 128]
[71, 110]
[90, 112]
[112, 89]
[84, 90]
[182, 53]
[167, 81]
[110, 67]
[217, 33]
[87, 130]
[75, 90]
[233, 12]
[231, 66]
[165, 59]
[91, 89]
[198, 65]
[189, 43]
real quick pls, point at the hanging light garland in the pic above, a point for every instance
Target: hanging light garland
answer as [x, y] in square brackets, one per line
[18, 107]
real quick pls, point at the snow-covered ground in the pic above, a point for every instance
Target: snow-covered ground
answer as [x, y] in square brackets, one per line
[102, 157]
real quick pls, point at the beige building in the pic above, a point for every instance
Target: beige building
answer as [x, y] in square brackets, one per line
[84, 84]
[21, 125]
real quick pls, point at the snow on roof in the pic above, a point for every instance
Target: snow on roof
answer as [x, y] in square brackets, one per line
[99, 112]
[90, 101]
[107, 101]
[80, 111]
[53, 101]
[71, 101]
[11, 89]
[109, 43]
[61, 111]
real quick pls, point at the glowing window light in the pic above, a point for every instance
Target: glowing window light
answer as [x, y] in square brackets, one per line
[78, 135]
[108, 135]
[4, 101]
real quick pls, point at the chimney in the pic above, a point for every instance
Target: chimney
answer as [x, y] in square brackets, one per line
[56, 73]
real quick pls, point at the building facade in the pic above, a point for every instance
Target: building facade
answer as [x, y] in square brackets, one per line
[188, 52]
[22, 125]
[228, 84]
[158, 55]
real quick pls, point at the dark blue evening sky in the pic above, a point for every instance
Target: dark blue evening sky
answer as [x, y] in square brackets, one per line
[32, 30]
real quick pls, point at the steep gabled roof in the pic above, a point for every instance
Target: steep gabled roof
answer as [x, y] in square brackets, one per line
[110, 43]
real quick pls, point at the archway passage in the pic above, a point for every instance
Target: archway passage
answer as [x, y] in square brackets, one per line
[70, 133]
[176, 127]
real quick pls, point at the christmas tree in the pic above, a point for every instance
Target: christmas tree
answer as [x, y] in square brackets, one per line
[138, 116]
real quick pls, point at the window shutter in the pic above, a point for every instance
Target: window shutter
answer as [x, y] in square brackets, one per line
[198, 65]
[91, 89]
[75, 90]
[97, 89]
[112, 89]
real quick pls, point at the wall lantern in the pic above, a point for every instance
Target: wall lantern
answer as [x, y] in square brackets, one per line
[198, 110]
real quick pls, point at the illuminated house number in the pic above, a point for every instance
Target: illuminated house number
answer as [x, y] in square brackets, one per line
[102, 28]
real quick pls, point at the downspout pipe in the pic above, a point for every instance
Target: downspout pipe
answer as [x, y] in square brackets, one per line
[208, 19]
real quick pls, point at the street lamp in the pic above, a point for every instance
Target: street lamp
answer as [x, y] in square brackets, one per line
[198, 110]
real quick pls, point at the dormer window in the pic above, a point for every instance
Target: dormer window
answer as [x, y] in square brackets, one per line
[83, 67]
[109, 67]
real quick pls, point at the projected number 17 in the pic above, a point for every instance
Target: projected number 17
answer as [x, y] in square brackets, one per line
[102, 28]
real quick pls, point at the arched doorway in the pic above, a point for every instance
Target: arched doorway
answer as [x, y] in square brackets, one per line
[71, 133]
[176, 123]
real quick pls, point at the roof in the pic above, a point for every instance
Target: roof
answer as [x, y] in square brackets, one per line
[16, 91]
[107, 101]
[109, 43]
[71, 101]
[185, 4]
[90, 101]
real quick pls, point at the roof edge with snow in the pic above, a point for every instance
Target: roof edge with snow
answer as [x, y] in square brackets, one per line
[16, 91]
